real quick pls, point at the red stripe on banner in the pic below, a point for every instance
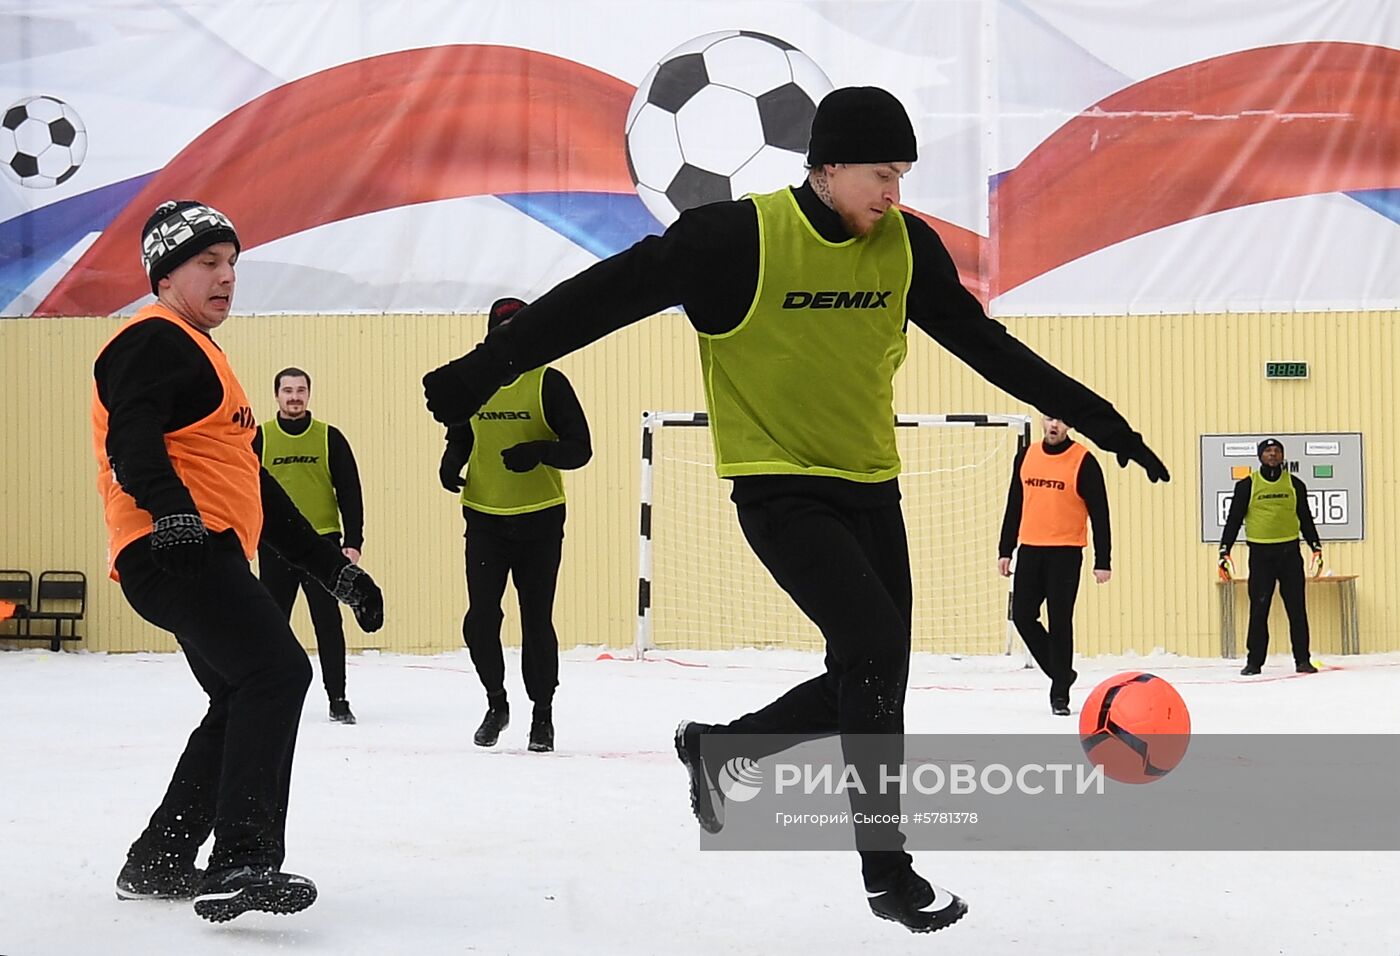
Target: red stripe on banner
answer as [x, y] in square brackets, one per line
[966, 248]
[1247, 127]
[407, 127]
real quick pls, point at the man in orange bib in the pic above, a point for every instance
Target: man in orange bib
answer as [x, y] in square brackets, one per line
[1056, 490]
[186, 502]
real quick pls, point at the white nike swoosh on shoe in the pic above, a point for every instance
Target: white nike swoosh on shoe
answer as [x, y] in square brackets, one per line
[942, 899]
[231, 894]
[133, 895]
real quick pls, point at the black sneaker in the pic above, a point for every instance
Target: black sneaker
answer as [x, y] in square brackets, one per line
[1250, 670]
[542, 732]
[340, 711]
[706, 798]
[1059, 694]
[1306, 668]
[917, 904]
[233, 892]
[496, 720]
[144, 881]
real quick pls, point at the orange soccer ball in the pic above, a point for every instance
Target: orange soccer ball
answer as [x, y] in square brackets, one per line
[1135, 726]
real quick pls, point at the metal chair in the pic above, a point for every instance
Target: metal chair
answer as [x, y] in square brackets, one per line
[61, 599]
[17, 587]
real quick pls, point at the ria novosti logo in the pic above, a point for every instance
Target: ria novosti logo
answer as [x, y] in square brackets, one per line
[740, 779]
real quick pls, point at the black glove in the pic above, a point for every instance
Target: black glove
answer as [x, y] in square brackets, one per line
[354, 586]
[451, 394]
[522, 457]
[1133, 448]
[450, 474]
[178, 544]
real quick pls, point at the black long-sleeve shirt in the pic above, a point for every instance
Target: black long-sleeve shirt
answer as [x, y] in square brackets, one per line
[153, 379]
[708, 261]
[345, 477]
[1089, 486]
[1239, 506]
[573, 448]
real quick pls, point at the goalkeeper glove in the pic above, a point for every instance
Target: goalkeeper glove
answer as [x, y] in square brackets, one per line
[1316, 562]
[1227, 568]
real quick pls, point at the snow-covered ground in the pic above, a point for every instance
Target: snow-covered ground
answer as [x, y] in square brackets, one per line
[422, 843]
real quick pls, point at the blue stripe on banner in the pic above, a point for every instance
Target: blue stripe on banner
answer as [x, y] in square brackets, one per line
[32, 242]
[1384, 201]
[602, 223]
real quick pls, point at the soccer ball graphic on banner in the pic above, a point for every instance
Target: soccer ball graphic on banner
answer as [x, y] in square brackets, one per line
[720, 116]
[42, 142]
[1135, 726]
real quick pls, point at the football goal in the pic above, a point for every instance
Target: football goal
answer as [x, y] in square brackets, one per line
[701, 587]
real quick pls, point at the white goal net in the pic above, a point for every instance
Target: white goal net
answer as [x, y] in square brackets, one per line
[702, 588]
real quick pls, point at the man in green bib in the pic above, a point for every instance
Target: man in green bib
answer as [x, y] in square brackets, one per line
[801, 299]
[313, 463]
[1272, 504]
[515, 448]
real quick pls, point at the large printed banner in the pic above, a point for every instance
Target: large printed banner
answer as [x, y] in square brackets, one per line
[1077, 156]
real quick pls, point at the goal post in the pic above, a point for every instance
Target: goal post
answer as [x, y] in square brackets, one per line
[700, 587]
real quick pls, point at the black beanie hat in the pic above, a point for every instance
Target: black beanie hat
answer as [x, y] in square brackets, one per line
[1268, 443]
[861, 124]
[177, 232]
[503, 309]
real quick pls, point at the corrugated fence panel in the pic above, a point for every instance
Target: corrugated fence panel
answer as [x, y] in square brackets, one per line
[1174, 377]
[49, 512]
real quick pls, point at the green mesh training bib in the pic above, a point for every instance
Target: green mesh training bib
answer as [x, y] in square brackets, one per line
[805, 384]
[1272, 517]
[513, 415]
[302, 466]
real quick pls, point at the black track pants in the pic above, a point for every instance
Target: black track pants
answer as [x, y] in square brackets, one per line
[282, 581]
[1048, 576]
[848, 571]
[533, 564]
[1280, 564]
[234, 774]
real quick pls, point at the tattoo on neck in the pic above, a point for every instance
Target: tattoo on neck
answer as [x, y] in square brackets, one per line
[822, 188]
